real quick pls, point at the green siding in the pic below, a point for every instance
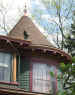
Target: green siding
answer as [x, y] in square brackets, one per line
[8, 86]
[23, 73]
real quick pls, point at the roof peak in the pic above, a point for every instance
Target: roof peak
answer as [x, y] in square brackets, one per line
[25, 24]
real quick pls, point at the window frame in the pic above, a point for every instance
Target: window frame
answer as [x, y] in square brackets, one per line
[10, 65]
[44, 61]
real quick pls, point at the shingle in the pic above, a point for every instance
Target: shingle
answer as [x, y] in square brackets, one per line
[34, 34]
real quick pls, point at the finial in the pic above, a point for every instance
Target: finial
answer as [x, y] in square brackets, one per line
[25, 10]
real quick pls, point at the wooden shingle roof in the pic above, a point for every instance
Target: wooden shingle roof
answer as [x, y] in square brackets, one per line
[25, 24]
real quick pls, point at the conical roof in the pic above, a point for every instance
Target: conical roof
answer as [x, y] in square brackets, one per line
[25, 25]
[27, 34]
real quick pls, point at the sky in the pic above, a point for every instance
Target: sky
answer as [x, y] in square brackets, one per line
[46, 17]
[14, 9]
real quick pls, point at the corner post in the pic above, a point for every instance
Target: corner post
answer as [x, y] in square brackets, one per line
[14, 67]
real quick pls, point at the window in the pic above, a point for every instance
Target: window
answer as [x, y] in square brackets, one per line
[25, 35]
[41, 78]
[35, 76]
[5, 66]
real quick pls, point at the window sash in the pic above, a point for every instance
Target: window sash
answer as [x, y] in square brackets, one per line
[1, 73]
[5, 66]
[41, 78]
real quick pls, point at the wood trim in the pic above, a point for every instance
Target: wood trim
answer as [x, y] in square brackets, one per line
[14, 67]
[10, 83]
[6, 38]
[34, 60]
[44, 61]
[30, 80]
[56, 80]
[17, 91]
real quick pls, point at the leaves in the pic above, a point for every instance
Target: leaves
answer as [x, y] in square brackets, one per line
[52, 74]
[73, 59]
[62, 66]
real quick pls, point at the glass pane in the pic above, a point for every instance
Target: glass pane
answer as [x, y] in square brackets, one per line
[5, 62]
[1, 73]
[41, 78]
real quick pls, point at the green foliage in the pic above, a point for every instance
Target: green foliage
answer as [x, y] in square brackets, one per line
[68, 75]
[73, 59]
[61, 93]
[52, 74]
[70, 42]
[64, 67]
